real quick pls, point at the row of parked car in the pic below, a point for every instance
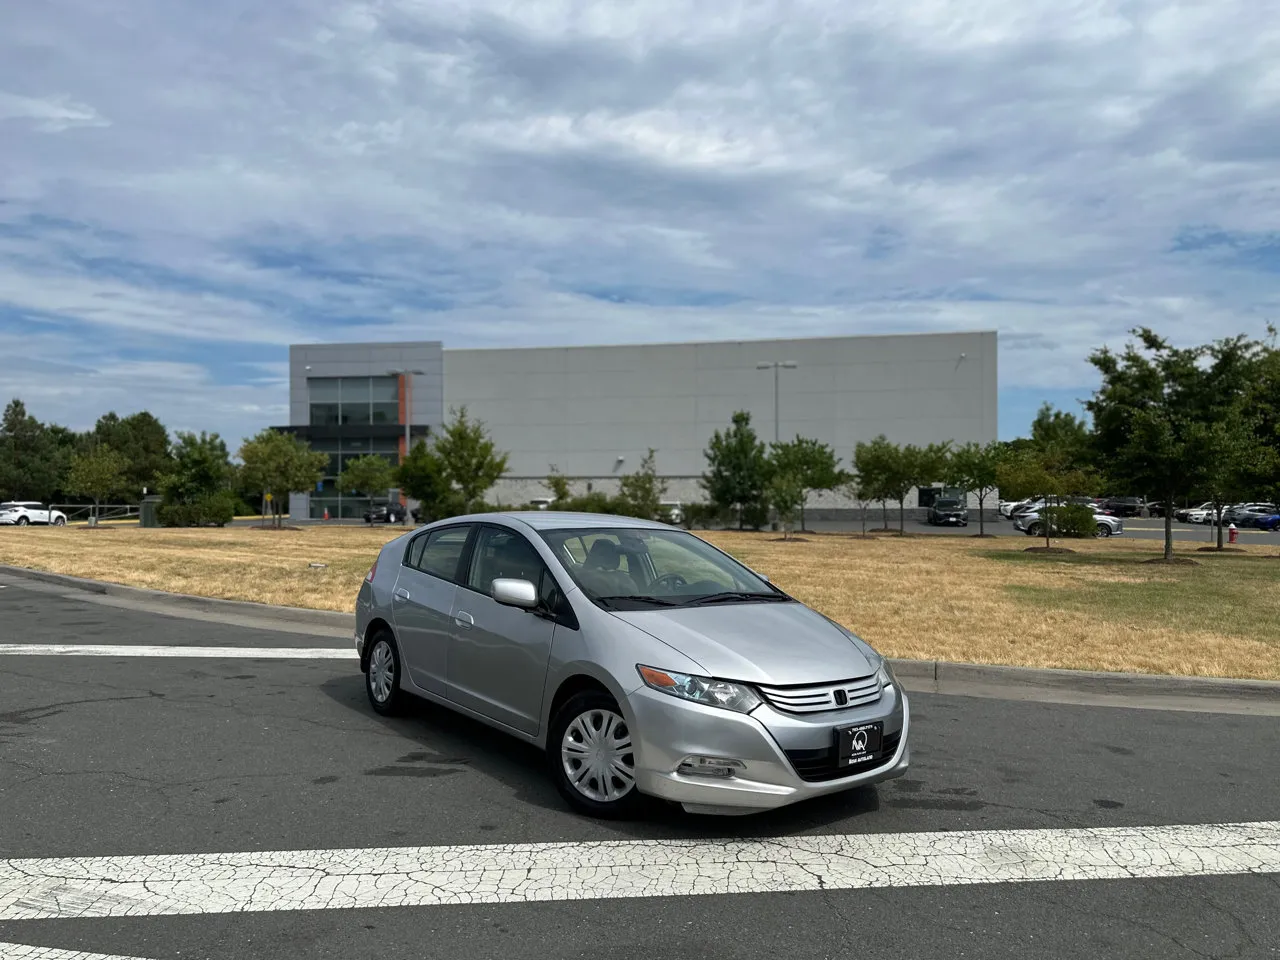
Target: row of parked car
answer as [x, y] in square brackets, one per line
[1263, 516]
[1027, 515]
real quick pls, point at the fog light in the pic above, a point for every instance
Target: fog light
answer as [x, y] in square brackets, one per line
[718, 767]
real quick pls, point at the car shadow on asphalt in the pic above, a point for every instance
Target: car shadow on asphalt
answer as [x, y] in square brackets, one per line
[443, 739]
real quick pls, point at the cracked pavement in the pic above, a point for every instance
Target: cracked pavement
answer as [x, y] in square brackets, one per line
[180, 808]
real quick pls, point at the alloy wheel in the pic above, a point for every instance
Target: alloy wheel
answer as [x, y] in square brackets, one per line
[382, 671]
[598, 757]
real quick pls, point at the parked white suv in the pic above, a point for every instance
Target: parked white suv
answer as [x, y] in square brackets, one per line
[19, 513]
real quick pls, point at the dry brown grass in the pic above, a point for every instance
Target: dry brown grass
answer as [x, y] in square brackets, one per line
[929, 598]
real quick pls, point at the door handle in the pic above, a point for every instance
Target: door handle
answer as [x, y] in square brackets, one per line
[402, 593]
[464, 619]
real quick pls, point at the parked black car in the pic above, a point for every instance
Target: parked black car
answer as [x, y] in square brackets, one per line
[1123, 506]
[387, 513]
[949, 513]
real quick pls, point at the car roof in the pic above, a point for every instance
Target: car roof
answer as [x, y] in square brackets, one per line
[562, 520]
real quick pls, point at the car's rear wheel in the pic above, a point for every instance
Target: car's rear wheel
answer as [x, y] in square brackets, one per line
[382, 678]
[592, 756]
[1103, 530]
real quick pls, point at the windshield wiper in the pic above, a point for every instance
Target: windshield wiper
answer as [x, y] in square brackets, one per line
[737, 596]
[626, 597]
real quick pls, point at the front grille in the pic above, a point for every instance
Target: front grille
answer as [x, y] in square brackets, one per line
[816, 766]
[817, 698]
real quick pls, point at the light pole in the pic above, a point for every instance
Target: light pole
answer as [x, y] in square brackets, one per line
[777, 366]
[408, 420]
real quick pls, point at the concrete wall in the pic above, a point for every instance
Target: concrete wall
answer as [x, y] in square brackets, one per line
[581, 408]
[370, 360]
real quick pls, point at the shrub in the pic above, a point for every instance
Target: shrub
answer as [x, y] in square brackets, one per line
[214, 509]
[1071, 520]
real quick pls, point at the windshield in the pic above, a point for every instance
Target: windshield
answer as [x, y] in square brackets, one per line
[638, 569]
[946, 504]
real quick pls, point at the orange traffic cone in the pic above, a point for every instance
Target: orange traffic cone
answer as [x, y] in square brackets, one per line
[326, 513]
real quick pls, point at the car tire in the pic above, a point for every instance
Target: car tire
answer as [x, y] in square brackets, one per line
[1033, 530]
[592, 712]
[382, 675]
[1102, 531]
[22, 521]
[60, 522]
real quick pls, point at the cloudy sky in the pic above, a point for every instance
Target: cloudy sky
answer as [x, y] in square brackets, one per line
[188, 187]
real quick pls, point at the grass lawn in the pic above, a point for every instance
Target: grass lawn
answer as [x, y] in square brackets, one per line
[945, 598]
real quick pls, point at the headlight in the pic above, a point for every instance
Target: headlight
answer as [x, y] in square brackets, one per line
[713, 693]
[885, 675]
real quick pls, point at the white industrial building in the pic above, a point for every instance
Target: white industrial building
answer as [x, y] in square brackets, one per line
[593, 412]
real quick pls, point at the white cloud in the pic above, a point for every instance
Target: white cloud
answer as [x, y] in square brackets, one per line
[472, 169]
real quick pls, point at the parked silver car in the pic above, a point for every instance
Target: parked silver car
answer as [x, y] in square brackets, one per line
[640, 657]
[1105, 525]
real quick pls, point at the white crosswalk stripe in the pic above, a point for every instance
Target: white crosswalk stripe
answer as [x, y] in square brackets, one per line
[142, 650]
[425, 876]
[21, 951]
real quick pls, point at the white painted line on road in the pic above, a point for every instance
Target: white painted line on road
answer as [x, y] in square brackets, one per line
[139, 650]
[518, 873]
[21, 951]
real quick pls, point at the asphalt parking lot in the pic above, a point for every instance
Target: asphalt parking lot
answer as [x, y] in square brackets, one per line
[270, 777]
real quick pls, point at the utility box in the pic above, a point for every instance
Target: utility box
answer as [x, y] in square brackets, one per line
[149, 512]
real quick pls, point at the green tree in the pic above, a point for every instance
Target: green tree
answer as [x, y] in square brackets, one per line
[786, 495]
[1043, 473]
[909, 467]
[201, 466]
[423, 477]
[1154, 411]
[144, 443]
[810, 462]
[738, 470]
[98, 473]
[1234, 461]
[371, 475]
[640, 494]
[471, 462]
[558, 484]
[874, 461]
[279, 464]
[1064, 433]
[862, 492]
[974, 468]
[31, 465]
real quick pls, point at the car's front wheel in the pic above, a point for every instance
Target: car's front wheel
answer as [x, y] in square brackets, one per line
[59, 521]
[23, 521]
[1033, 530]
[1103, 530]
[592, 756]
[382, 678]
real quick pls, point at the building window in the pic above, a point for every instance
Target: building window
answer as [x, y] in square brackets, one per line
[353, 401]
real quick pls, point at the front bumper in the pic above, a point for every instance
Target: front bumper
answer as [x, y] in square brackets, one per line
[667, 730]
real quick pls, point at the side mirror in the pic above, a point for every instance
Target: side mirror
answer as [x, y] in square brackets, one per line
[514, 593]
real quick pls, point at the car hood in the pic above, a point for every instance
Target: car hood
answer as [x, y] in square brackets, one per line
[770, 643]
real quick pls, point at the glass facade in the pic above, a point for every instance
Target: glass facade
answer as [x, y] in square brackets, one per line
[351, 403]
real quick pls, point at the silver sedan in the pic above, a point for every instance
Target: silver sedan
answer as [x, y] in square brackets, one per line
[639, 657]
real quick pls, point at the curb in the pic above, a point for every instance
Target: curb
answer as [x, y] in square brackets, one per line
[265, 611]
[941, 676]
[922, 676]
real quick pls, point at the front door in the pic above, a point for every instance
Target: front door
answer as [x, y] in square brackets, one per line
[424, 598]
[498, 658]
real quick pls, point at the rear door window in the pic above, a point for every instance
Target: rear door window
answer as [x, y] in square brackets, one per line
[439, 552]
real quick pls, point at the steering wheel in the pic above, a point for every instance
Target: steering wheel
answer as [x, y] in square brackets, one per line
[671, 581]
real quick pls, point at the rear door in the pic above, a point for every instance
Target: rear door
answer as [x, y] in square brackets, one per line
[498, 659]
[423, 602]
